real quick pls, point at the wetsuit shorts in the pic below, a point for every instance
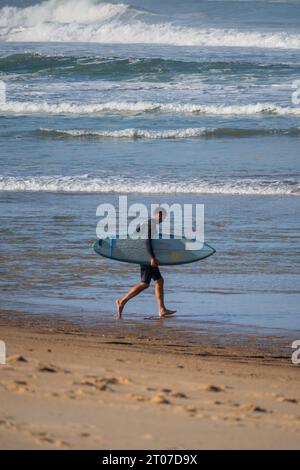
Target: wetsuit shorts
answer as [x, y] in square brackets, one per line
[148, 273]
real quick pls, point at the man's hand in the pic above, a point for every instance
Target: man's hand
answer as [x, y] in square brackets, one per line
[154, 263]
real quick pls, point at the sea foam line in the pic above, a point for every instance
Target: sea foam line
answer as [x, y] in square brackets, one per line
[138, 107]
[131, 133]
[86, 184]
[182, 133]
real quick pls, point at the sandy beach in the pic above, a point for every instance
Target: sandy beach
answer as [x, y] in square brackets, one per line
[123, 386]
[107, 111]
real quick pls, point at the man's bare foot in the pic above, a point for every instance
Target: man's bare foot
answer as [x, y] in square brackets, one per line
[165, 312]
[120, 306]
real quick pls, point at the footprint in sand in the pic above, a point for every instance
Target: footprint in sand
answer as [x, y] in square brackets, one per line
[103, 383]
[8, 423]
[119, 380]
[160, 399]
[174, 393]
[141, 398]
[191, 410]
[16, 358]
[44, 437]
[21, 382]
[253, 408]
[52, 369]
[17, 386]
[76, 394]
[48, 368]
[100, 387]
[295, 401]
[54, 442]
[212, 388]
[115, 380]
[22, 390]
[179, 395]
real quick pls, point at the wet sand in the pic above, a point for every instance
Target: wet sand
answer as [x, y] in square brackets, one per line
[126, 386]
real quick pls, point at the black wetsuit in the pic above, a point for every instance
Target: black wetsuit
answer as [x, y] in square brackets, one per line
[147, 272]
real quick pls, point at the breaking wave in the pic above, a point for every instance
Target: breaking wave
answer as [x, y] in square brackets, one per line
[139, 107]
[96, 21]
[87, 184]
[188, 133]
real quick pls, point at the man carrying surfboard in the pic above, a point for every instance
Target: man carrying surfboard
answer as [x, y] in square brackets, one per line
[150, 271]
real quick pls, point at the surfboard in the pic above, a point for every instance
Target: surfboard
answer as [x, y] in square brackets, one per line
[170, 251]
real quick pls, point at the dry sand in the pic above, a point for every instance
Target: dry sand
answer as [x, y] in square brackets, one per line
[123, 387]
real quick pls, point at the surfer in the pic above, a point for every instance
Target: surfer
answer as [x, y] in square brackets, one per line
[151, 271]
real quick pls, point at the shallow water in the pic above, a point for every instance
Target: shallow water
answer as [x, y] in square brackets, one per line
[251, 282]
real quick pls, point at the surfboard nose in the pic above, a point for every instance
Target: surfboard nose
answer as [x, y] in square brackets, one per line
[97, 245]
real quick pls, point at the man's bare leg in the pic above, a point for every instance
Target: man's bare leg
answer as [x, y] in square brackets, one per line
[132, 293]
[159, 293]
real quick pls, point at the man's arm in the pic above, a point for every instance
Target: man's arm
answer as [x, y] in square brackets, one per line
[149, 241]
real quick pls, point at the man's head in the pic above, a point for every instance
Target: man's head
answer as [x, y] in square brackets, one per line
[159, 215]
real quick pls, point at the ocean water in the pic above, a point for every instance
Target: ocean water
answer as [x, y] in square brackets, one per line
[170, 101]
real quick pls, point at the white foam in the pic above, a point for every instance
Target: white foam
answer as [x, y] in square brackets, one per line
[86, 184]
[94, 21]
[60, 11]
[182, 133]
[43, 107]
[133, 133]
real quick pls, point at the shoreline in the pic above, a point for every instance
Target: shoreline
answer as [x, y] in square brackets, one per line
[156, 334]
[68, 387]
